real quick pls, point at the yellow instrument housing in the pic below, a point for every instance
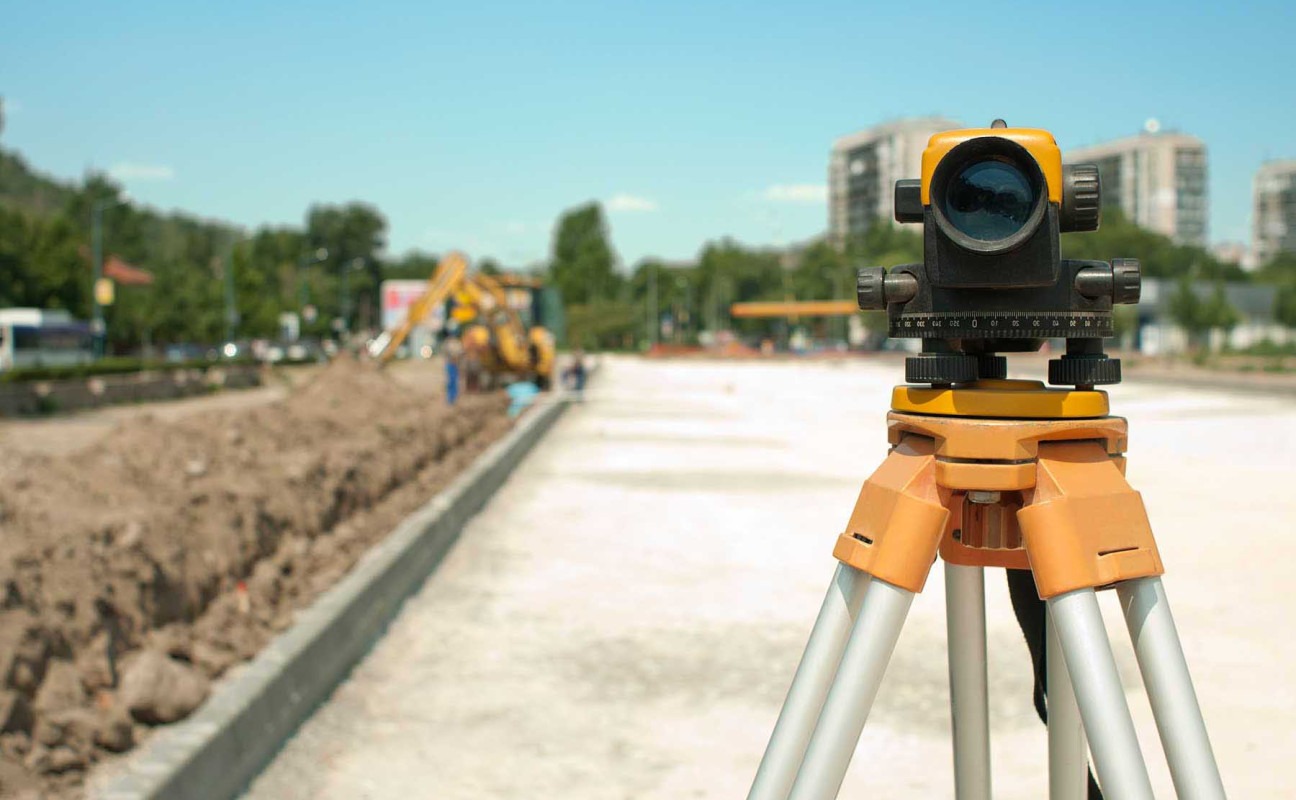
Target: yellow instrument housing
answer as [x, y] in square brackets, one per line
[1039, 143]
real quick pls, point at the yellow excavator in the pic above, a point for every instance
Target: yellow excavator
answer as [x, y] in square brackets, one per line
[492, 332]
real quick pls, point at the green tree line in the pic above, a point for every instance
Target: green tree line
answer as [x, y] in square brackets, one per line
[45, 237]
[612, 308]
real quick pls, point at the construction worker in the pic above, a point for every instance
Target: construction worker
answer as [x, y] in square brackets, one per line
[452, 352]
[574, 375]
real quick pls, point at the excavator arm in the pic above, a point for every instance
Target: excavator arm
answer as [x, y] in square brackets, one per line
[449, 275]
[481, 303]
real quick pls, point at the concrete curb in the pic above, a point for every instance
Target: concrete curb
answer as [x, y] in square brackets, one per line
[216, 753]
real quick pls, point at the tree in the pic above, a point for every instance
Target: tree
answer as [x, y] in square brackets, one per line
[1158, 255]
[582, 266]
[1285, 305]
[822, 273]
[1281, 272]
[602, 324]
[351, 232]
[1198, 316]
[1219, 312]
[885, 245]
[1187, 312]
[40, 264]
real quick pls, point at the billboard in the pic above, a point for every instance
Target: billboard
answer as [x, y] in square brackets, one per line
[399, 295]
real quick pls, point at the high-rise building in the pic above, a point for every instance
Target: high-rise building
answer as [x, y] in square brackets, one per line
[1157, 179]
[1273, 216]
[863, 169]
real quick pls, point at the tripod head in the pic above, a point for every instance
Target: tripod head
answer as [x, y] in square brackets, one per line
[993, 202]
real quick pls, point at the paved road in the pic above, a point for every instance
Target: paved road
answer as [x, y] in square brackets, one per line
[623, 619]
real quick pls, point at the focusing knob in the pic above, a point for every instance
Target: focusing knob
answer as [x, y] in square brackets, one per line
[870, 288]
[1080, 198]
[1127, 280]
[1084, 371]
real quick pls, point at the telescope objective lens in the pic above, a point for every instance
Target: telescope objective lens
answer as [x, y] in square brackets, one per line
[989, 200]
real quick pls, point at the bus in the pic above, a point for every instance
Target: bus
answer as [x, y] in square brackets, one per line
[33, 337]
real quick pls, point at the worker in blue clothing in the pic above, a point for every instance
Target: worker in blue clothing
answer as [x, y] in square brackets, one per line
[452, 352]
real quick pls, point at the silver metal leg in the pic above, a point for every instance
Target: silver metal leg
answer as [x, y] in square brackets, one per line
[1170, 690]
[814, 676]
[969, 696]
[1068, 752]
[872, 641]
[1117, 757]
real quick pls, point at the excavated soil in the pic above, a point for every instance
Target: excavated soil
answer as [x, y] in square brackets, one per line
[135, 571]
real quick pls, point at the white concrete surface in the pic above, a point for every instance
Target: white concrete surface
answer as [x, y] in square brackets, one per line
[624, 617]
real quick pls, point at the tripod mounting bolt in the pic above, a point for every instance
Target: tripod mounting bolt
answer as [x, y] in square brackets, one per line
[875, 288]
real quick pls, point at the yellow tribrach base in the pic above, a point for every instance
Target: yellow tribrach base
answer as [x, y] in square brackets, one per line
[1001, 398]
[1045, 469]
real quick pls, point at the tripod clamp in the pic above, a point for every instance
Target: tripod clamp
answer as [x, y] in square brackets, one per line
[1057, 462]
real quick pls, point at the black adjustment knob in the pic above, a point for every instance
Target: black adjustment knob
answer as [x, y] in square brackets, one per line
[908, 200]
[1084, 371]
[870, 288]
[1081, 206]
[940, 368]
[1127, 281]
[991, 366]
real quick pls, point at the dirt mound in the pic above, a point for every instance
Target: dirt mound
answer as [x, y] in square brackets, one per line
[188, 544]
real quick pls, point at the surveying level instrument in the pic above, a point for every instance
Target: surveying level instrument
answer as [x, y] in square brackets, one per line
[988, 472]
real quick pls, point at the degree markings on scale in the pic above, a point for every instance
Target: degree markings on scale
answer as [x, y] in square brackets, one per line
[1017, 325]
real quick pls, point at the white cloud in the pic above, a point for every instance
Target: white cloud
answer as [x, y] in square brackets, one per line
[10, 106]
[630, 203]
[796, 193]
[128, 171]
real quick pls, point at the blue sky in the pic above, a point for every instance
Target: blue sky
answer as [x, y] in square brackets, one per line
[473, 125]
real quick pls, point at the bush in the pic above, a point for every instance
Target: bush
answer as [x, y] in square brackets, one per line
[110, 366]
[1270, 348]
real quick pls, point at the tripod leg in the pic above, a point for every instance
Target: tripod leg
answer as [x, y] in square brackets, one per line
[872, 641]
[814, 675]
[1068, 753]
[1107, 721]
[969, 696]
[1170, 690]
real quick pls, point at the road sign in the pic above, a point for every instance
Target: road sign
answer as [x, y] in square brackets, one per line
[103, 291]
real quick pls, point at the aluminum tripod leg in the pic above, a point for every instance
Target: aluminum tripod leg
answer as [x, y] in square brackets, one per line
[969, 696]
[1117, 757]
[872, 641]
[814, 676]
[1067, 750]
[1170, 690]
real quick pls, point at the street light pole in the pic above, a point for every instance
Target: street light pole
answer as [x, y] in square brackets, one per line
[97, 328]
[231, 312]
[344, 301]
[303, 288]
[652, 302]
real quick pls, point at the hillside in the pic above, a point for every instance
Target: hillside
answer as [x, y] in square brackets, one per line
[24, 189]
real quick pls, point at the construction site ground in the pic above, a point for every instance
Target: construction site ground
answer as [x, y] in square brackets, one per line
[623, 619]
[146, 551]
